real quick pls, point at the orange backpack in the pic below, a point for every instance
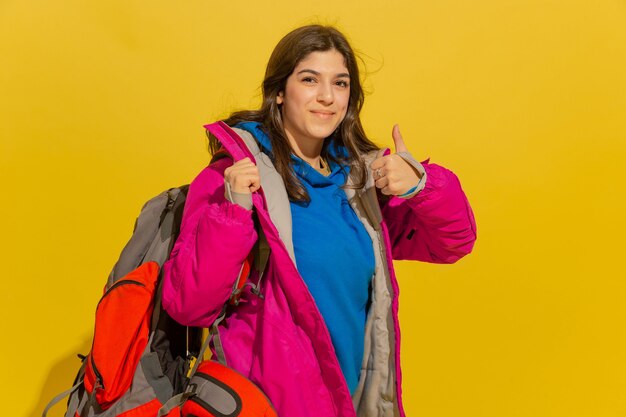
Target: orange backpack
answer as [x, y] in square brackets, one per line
[141, 360]
[121, 334]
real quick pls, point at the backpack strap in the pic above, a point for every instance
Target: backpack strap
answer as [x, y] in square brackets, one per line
[262, 255]
[164, 241]
[60, 396]
[179, 399]
[154, 233]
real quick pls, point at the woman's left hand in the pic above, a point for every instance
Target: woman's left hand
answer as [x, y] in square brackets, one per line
[392, 174]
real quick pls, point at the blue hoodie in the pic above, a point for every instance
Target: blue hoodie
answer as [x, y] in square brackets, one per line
[334, 254]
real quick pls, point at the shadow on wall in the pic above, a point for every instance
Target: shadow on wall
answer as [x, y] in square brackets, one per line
[60, 378]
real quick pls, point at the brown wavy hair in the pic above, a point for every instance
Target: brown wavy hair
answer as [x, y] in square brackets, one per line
[289, 51]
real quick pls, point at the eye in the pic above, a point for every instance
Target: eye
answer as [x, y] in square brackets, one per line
[308, 79]
[343, 83]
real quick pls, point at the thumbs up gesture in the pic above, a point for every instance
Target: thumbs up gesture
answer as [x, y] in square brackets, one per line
[392, 174]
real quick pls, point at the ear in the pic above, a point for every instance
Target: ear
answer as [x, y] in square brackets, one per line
[279, 98]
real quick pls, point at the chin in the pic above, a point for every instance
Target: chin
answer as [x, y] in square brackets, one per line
[321, 134]
[324, 131]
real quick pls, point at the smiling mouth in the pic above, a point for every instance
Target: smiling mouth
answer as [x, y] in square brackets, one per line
[322, 114]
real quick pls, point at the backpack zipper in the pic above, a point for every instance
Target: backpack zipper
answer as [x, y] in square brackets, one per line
[99, 380]
[118, 284]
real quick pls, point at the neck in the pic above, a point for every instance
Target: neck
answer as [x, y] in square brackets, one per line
[309, 150]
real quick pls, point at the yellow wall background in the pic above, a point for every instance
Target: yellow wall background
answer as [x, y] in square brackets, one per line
[102, 106]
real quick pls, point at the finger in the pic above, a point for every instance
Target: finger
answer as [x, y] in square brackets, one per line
[379, 173]
[247, 177]
[243, 160]
[243, 164]
[378, 161]
[255, 186]
[235, 176]
[238, 165]
[397, 139]
[244, 183]
[251, 169]
[382, 182]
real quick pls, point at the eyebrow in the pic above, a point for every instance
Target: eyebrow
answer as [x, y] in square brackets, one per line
[343, 74]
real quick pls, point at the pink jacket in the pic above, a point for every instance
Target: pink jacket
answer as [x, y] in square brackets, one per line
[280, 341]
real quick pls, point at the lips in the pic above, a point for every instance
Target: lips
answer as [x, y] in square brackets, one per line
[322, 113]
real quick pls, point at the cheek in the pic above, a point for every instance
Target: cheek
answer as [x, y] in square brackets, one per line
[344, 107]
[297, 96]
[345, 100]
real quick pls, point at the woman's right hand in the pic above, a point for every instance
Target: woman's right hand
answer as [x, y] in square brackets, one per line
[243, 176]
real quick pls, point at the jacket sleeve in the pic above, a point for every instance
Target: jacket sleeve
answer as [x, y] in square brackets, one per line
[215, 238]
[436, 224]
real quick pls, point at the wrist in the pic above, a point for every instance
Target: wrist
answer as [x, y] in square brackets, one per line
[242, 199]
[411, 190]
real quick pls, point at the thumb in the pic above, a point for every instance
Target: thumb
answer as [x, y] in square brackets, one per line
[397, 139]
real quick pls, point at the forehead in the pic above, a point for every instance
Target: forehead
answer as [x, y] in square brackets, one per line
[329, 62]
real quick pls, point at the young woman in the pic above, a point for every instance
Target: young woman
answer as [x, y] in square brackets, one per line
[322, 337]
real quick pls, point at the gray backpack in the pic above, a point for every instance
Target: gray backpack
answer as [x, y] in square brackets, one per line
[168, 361]
[162, 368]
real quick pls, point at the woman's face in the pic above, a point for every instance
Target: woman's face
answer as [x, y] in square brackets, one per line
[315, 99]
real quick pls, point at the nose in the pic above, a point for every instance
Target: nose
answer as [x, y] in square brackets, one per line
[325, 93]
